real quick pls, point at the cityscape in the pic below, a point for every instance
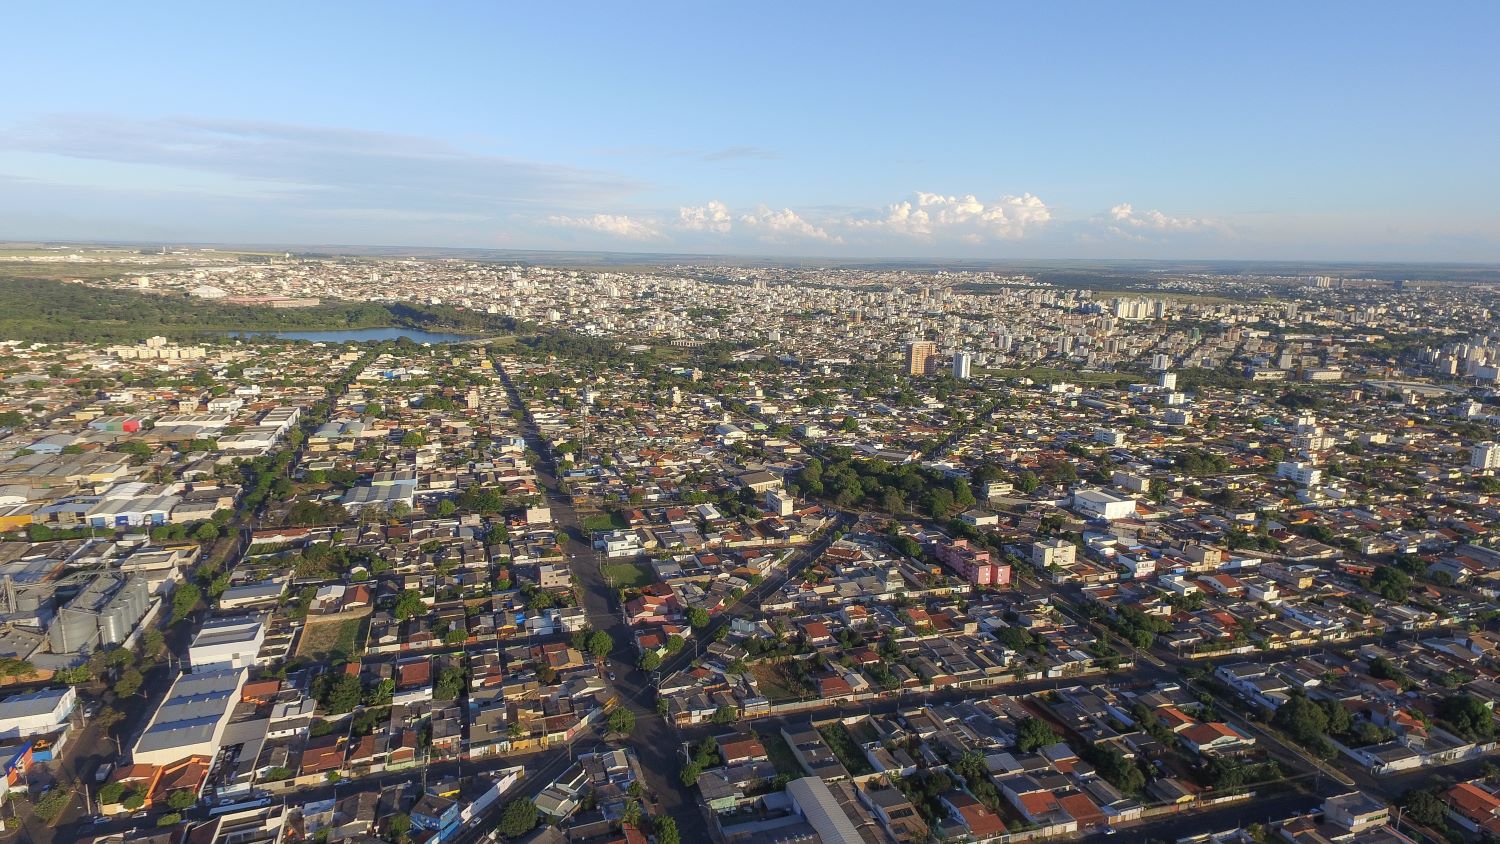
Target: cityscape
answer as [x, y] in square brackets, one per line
[986, 423]
[831, 554]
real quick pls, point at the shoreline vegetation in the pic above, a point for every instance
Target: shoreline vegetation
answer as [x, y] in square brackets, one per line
[43, 310]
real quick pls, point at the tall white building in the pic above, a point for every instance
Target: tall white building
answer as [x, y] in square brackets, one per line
[962, 363]
[1485, 455]
[1299, 472]
[1160, 362]
[1167, 381]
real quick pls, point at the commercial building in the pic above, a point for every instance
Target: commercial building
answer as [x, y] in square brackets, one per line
[230, 642]
[191, 719]
[37, 713]
[817, 805]
[779, 502]
[1098, 504]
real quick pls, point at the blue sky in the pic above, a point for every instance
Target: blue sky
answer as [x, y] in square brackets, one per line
[1336, 130]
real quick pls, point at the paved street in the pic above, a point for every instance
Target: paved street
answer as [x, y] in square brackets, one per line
[654, 742]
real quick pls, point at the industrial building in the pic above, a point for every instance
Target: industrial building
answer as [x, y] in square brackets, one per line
[104, 613]
[191, 719]
[36, 713]
[230, 642]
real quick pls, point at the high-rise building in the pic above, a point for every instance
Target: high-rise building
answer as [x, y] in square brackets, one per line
[962, 362]
[917, 354]
[1485, 455]
[1167, 381]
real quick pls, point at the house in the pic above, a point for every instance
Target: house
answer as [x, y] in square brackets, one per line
[1356, 812]
[741, 749]
[1473, 808]
[978, 820]
[897, 814]
[439, 814]
[1214, 738]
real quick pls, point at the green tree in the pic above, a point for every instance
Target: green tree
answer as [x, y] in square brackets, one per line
[650, 661]
[1390, 583]
[666, 830]
[52, 804]
[399, 828]
[1306, 722]
[621, 720]
[1032, 733]
[410, 605]
[111, 793]
[600, 644]
[153, 643]
[518, 818]
[446, 508]
[182, 798]
[343, 694]
[184, 599]
[697, 617]
[1468, 716]
[75, 676]
[1426, 808]
[129, 682]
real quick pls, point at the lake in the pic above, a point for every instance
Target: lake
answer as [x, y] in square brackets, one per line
[360, 335]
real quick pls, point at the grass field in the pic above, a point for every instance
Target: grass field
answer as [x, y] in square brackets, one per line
[327, 641]
[602, 521]
[629, 575]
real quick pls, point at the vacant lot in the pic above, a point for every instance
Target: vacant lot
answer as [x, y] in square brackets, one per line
[777, 683]
[844, 747]
[330, 641]
[602, 521]
[629, 575]
[780, 753]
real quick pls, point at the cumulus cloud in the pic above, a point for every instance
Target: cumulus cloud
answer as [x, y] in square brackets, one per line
[713, 217]
[931, 216]
[784, 225]
[1124, 221]
[615, 225]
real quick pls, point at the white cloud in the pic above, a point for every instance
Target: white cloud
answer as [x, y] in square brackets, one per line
[1124, 221]
[784, 224]
[616, 225]
[713, 217]
[932, 216]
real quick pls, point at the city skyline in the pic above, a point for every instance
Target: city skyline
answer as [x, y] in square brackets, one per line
[1164, 131]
